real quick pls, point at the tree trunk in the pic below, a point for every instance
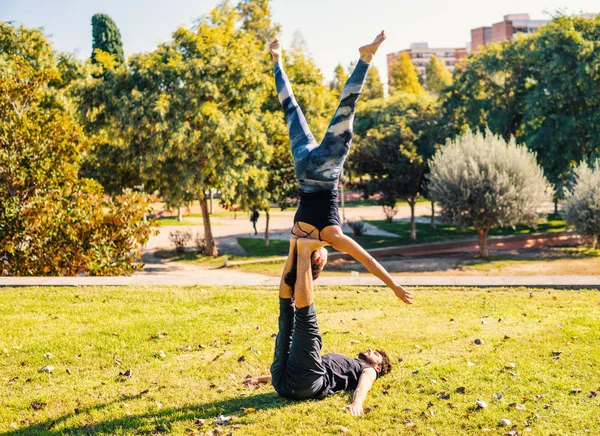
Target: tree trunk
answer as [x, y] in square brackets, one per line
[555, 206]
[211, 248]
[413, 227]
[482, 235]
[267, 228]
[597, 242]
[179, 215]
[211, 199]
[432, 225]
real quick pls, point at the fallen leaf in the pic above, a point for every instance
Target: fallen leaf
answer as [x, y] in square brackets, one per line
[513, 405]
[13, 380]
[220, 389]
[48, 356]
[144, 392]
[68, 371]
[409, 424]
[592, 394]
[483, 322]
[575, 391]
[199, 422]
[481, 404]
[527, 423]
[546, 406]
[498, 397]
[37, 405]
[510, 366]
[162, 354]
[47, 369]
[470, 363]
[460, 390]
[186, 348]
[223, 420]
[514, 374]
[443, 395]
[201, 346]
[118, 361]
[505, 422]
[430, 404]
[159, 404]
[506, 337]
[415, 372]
[556, 353]
[354, 342]
[344, 429]
[241, 359]
[126, 374]
[521, 407]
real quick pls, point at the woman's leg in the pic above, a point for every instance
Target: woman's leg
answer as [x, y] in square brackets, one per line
[301, 138]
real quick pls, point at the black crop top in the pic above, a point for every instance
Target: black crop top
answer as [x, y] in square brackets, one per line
[318, 209]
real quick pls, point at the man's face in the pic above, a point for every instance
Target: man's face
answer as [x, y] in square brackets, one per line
[372, 358]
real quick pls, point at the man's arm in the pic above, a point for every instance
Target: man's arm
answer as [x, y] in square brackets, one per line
[365, 382]
[343, 243]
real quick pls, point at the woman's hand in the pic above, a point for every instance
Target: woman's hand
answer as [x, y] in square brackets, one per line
[354, 409]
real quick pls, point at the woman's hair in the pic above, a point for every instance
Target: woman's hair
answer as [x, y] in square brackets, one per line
[386, 366]
[315, 266]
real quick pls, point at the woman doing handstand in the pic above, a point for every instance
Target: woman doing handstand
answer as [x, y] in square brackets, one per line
[318, 166]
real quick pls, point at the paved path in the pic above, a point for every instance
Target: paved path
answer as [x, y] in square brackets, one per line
[232, 278]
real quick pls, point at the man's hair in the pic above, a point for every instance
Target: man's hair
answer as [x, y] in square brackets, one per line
[386, 366]
[315, 267]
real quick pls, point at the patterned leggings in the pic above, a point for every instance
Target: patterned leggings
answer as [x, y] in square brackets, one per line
[318, 167]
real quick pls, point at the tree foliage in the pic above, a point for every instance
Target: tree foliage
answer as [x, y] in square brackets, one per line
[583, 202]
[52, 222]
[373, 88]
[437, 75]
[540, 89]
[403, 76]
[482, 181]
[394, 140]
[106, 37]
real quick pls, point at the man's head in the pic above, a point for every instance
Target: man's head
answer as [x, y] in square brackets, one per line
[377, 359]
[318, 259]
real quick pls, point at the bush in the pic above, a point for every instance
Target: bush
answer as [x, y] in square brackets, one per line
[583, 203]
[390, 212]
[357, 226]
[200, 242]
[180, 238]
[52, 222]
[482, 181]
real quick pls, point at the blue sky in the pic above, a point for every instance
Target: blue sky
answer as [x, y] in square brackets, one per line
[332, 29]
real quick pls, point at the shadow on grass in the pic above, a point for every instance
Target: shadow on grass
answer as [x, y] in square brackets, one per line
[160, 420]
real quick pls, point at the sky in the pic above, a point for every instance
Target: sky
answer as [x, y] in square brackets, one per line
[333, 29]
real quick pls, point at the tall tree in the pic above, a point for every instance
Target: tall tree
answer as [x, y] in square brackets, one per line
[394, 140]
[438, 76]
[106, 37]
[256, 17]
[339, 79]
[404, 77]
[373, 85]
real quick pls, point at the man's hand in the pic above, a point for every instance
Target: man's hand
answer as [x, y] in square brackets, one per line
[250, 381]
[354, 409]
[403, 294]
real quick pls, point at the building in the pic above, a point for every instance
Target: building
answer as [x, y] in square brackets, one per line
[420, 53]
[512, 24]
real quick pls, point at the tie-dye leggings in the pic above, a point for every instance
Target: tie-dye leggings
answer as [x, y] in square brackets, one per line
[317, 166]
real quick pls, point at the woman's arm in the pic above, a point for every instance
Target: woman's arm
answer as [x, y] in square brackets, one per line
[344, 243]
[365, 382]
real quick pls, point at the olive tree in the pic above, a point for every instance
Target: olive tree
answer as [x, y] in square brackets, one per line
[583, 202]
[480, 180]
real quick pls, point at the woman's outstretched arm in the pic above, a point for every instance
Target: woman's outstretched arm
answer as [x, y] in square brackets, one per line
[344, 243]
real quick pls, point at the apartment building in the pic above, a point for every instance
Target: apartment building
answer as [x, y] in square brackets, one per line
[506, 29]
[420, 53]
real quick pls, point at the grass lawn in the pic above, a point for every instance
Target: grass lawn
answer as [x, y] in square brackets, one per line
[182, 349]
[444, 232]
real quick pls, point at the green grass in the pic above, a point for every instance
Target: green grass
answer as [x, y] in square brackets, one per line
[256, 247]
[97, 332]
[444, 232]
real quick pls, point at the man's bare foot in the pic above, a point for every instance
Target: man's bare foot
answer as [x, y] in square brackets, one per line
[367, 51]
[275, 48]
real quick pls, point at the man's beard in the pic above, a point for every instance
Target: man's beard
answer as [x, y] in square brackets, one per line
[363, 356]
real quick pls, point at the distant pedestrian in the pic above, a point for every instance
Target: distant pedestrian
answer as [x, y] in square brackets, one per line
[254, 219]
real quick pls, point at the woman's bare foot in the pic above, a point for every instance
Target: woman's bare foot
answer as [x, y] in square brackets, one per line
[367, 51]
[275, 48]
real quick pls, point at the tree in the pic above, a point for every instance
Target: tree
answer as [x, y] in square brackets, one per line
[106, 37]
[256, 18]
[339, 80]
[404, 77]
[482, 181]
[583, 202]
[373, 88]
[394, 140]
[438, 77]
[52, 222]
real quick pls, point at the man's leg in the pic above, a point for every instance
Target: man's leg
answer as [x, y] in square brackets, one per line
[305, 370]
[286, 325]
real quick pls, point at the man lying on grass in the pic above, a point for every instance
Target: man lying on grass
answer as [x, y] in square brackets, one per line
[299, 371]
